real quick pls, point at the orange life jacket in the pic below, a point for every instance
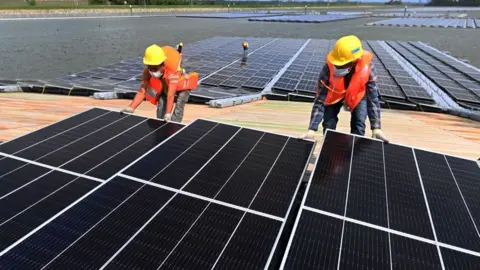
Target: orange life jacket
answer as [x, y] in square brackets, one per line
[173, 78]
[357, 86]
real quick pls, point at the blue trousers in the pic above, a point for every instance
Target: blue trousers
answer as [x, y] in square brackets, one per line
[357, 122]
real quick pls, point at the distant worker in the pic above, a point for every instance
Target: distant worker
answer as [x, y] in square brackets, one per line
[162, 78]
[348, 78]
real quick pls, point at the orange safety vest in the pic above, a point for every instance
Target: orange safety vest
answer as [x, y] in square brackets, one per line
[357, 87]
[173, 78]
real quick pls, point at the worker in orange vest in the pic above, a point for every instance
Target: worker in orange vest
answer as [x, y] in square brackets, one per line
[349, 79]
[162, 78]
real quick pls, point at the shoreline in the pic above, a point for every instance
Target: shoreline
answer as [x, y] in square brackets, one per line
[136, 10]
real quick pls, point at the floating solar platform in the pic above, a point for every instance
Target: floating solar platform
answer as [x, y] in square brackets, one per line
[429, 9]
[349, 13]
[104, 190]
[420, 15]
[370, 205]
[436, 23]
[463, 88]
[288, 69]
[307, 18]
[228, 15]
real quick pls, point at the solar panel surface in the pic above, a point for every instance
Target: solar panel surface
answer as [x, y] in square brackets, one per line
[427, 22]
[307, 18]
[472, 72]
[437, 71]
[375, 205]
[211, 195]
[236, 15]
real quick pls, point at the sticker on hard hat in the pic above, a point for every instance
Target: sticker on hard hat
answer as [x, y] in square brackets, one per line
[356, 50]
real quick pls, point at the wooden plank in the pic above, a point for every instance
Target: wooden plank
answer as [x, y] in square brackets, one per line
[22, 113]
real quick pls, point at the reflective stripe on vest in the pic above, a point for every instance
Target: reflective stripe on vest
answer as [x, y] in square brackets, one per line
[357, 86]
[151, 92]
[154, 89]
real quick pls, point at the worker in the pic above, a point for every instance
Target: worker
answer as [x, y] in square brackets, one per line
[347, 79]
[162, 78]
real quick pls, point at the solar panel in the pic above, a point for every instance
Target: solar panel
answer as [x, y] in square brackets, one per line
[302, 74]
[33, 194]
[261, 66]
[458, 92]
[472, 72]
[307, 18]
[425, 22]
[388, 85]
[372, 205]
[130, 85]
[96, 143]
[418, 15]
[221, 66]
[211, 195]
[226, 15]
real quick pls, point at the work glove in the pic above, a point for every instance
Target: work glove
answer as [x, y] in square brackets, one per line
[126, 110]
[310, 135]
[167, 117]
[378, 134]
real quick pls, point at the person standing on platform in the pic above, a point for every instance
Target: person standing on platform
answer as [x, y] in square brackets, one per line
[349, 79]
[162, 78]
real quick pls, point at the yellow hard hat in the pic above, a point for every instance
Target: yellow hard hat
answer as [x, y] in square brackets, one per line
[346, 50]
[154, 56]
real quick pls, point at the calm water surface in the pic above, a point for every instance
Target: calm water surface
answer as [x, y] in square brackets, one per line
[42, 49]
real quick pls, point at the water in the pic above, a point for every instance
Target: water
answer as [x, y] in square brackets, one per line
[43, 49]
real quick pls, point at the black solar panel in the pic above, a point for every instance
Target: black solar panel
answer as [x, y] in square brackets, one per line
[301, 76]
[201, 196]
[472, 72]
[372, 205]
[261, 66]
[392, 85]
[96, 143]
[437, 70]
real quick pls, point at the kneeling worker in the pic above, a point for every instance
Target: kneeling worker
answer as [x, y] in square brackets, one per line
[347, 78]
[161, 80]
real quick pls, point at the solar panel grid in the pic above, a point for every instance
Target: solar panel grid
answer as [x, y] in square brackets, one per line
[306, 18]
[471, 72]
[101, 212]
[426, 22]
[262, 66]
[124, 70]
[406, 186]
[47, 191]
[102, 135]
[448, 71]
[458, 93]
[387, 85]
[309, 62]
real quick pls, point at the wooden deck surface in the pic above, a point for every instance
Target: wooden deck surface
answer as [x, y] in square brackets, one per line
[21, 113]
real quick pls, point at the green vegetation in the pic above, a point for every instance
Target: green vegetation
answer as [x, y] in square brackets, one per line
[453, 3]
[163, 4]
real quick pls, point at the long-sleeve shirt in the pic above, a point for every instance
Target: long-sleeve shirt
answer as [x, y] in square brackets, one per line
[372, 95]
